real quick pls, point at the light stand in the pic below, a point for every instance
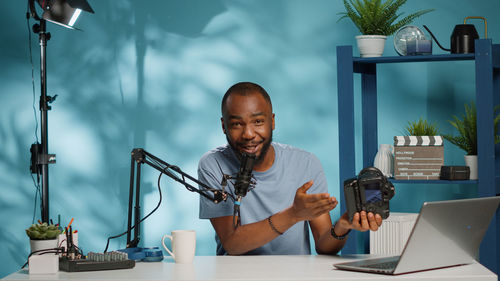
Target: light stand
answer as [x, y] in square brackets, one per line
[57, 11]
[40, 158]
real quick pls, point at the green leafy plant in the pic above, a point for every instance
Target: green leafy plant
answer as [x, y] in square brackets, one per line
[372, 17]
[43, 231]
[467, 129]
[421, 128]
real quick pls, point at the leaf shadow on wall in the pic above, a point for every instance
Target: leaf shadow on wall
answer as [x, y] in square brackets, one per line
[134, 120]
[82, 70]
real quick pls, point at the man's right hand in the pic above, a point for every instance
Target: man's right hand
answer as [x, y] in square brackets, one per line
[310, 206]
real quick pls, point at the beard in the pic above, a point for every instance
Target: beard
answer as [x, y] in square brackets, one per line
[265, 148]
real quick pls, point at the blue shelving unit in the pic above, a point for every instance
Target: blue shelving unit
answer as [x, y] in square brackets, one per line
[487, 69]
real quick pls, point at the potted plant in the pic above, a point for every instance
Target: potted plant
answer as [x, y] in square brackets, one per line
[419, 152]
[467, 135]
[421, 128]
[376, 20]
[43, 236]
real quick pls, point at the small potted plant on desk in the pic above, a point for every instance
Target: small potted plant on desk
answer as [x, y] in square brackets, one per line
[376, 20]
[467, 135]
[43, 236]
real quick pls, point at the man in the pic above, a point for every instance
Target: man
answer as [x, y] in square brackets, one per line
[290, 195]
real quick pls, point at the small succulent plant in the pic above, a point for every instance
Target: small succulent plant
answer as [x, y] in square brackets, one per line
[43, 231]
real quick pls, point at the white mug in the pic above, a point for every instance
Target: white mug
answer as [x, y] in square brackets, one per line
[183, 245]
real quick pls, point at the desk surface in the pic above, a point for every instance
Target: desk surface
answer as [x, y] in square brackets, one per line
[257, 268]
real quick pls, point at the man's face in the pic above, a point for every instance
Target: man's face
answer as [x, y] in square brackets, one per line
[248, 123]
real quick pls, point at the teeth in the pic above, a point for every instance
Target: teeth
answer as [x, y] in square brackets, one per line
[249, 149]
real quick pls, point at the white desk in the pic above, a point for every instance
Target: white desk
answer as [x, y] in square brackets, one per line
[257, 268]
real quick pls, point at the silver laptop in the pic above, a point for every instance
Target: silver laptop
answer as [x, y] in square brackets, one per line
[446, 233]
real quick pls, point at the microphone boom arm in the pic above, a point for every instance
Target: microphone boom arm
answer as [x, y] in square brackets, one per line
[140, 156]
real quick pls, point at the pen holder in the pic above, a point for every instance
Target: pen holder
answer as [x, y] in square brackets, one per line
[61, 240]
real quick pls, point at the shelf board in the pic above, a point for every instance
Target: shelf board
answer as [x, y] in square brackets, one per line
[434, 181]
[425, 58]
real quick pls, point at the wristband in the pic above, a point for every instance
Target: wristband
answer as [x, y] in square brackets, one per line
[334, 235]
[272, 226]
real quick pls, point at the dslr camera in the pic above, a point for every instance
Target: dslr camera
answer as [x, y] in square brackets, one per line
[370, 191]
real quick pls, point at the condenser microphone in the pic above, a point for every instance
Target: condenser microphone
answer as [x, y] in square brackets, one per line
[243, 181]
[244, 176]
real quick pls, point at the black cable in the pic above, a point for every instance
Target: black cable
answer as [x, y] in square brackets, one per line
[150, 213]
[236, 208]
[79, 251]
[43, 252]
[168, 169]
[36, 183]
[32, 73]
[37, 192]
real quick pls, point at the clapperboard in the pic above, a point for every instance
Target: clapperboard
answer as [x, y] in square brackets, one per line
[418, 157]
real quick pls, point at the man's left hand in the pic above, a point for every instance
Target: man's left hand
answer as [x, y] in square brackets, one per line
[361, 221]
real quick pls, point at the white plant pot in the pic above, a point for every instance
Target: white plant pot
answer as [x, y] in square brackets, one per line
[371, 45]
[37, 245]
[471, 161]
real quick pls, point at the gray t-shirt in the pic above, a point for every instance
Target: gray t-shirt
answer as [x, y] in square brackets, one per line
[274, 191]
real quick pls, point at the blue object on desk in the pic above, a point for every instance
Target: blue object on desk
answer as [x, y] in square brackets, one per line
[136, 253]
[153, 254]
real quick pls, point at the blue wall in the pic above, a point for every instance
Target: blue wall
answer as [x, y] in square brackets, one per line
[152, 73]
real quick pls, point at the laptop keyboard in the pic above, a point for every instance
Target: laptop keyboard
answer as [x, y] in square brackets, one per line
[383, 265]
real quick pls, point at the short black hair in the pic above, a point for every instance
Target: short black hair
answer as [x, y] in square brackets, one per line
[244, 89]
